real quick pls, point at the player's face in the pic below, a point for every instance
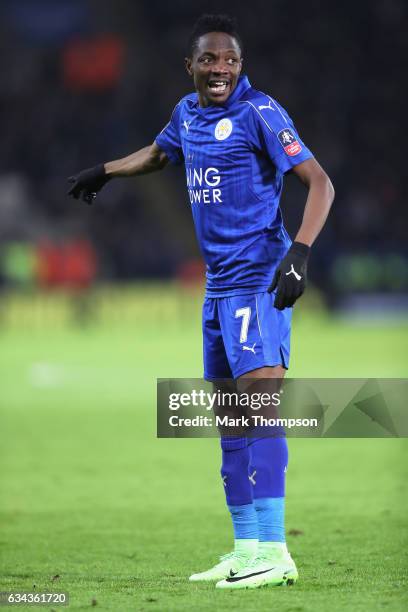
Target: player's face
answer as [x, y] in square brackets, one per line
[215, 67]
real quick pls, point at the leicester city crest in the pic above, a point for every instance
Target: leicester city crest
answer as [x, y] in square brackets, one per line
[223, 129]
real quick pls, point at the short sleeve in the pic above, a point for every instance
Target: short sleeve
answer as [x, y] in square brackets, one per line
[169, 138]
[271, 130]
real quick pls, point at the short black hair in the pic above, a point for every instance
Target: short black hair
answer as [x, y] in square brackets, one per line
[213, 23]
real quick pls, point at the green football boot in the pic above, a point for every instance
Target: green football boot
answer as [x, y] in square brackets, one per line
[230, 564]
[273, 567]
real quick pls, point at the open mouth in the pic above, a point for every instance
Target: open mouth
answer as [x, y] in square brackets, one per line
[218, 86]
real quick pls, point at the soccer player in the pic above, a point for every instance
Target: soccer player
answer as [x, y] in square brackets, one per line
[237, 143]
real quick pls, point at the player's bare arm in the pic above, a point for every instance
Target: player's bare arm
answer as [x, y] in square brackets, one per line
[290, 277]
[146, 160]
[319, 200]
[86, 184]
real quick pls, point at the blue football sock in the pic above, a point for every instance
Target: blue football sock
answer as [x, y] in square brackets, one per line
[267, 470]
[270, 513]
[269, 458]
[245, 522]
[238, 489]
[234, 471]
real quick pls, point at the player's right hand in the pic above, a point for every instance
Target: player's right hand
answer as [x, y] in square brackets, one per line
[86, 184]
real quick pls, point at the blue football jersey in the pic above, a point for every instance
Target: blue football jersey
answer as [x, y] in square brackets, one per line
[235, 156]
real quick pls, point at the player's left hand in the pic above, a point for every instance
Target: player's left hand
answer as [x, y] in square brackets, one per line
[290, 276]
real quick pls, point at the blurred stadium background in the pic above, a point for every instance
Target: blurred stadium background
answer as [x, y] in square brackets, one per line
[96, 302]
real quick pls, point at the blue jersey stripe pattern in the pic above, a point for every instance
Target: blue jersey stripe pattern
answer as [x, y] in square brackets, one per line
[235, 156]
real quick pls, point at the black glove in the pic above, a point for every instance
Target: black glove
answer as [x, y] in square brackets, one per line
[290, 276]
[87, 183]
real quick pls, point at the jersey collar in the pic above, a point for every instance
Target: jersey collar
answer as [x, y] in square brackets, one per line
[242, 86]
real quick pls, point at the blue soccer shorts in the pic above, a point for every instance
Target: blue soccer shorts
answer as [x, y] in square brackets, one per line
[242, 333]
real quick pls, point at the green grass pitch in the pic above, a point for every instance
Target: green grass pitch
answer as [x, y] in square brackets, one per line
[93, 504]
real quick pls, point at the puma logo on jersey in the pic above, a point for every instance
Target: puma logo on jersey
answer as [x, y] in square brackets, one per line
[250, 348]
[293, 271]
[269, 106]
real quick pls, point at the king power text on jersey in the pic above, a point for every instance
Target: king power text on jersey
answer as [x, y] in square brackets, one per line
[201, 183]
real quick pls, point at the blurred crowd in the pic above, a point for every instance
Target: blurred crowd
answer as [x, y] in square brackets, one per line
[87, 81]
